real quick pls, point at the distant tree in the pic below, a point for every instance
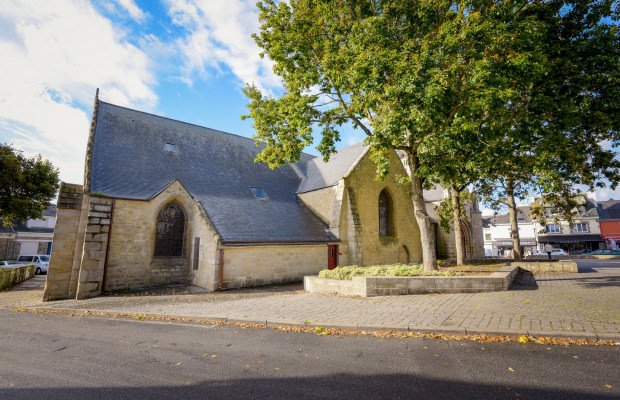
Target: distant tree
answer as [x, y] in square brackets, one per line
[451, 212]
[27, 185]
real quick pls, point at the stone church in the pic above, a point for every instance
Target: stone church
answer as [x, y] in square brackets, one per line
[168, 202]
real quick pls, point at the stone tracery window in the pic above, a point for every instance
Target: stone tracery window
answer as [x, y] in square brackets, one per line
[384, 214]
[170, 231]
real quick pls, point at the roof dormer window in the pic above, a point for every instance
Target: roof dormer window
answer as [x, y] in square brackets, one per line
[171, 147]
[259, 193]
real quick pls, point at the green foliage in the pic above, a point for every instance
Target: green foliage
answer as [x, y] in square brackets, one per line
[445, 210]
[27, 185]
[348, 272]
[406, 73]
[510, 91]
[556, 133]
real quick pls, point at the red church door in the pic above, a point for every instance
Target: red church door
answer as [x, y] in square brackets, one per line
[332, 256]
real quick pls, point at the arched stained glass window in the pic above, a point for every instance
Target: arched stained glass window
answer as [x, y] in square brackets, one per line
[170, 231]
[384, 214]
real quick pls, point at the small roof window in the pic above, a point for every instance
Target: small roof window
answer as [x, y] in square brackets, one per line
[259, 193]
[171, 147]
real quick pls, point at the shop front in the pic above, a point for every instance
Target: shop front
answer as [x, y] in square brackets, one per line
[502, 248]
[573, 243]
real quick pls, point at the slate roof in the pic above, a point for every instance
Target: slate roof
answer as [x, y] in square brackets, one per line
[522, 212]
[129, 160]
[320, 174]
[608, 210]
[50, 211]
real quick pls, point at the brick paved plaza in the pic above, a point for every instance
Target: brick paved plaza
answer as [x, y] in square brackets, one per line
[583, 305]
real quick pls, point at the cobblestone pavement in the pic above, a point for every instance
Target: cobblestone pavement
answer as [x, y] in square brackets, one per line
[584, 305]
[29, 293]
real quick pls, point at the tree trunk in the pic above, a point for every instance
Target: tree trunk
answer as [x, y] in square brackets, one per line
[424, 221]
[456, 221]
[514, 227]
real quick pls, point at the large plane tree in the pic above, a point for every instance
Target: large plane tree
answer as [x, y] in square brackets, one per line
[407, 74]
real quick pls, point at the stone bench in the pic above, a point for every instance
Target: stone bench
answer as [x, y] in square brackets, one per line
[547, 266]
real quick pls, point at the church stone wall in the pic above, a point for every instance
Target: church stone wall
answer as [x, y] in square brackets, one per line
[446, 244]
[360, 221]
[68, 214]
[321, 202]
[95, 241]
[246, 266]
[131, 263]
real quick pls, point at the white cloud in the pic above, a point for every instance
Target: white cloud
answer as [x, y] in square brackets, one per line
[54, 56]
[218, 34]
[134, 11]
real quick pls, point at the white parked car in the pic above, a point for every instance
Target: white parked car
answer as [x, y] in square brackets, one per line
[554, 252]
[7, 263]
[40, 261]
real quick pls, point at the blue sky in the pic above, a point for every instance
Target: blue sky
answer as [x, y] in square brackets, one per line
[183, 59]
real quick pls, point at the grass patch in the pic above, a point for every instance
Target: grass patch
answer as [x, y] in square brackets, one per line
[475, 267]
[348, 272]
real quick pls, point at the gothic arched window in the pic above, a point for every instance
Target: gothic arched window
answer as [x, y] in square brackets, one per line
[170, 231]
[384, 214]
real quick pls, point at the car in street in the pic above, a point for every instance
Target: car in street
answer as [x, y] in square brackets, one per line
[40, 261]
[554, 252]
[8, 263]
[581, 252]
[605, 252]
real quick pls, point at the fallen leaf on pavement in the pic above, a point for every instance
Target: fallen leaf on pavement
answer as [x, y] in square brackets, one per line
[511, 369]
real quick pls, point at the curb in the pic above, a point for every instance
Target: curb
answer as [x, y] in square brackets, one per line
[430, 330]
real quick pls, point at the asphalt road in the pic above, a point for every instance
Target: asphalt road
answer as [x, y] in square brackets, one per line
[46, 356]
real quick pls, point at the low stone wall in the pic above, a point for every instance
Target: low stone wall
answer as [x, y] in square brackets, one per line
[547, 266]
[367, 286]
[574, 257]
[11, 276]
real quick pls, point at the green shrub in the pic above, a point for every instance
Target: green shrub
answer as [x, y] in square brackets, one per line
[348, 272]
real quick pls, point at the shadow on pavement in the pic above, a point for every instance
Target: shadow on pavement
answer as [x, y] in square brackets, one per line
[339, 386]
[524, 280]
[37, 282]
[187, 289]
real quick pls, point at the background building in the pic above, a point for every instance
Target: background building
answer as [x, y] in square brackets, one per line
[585, 234]
[497, 237]
[31, 237]
[609, 221]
